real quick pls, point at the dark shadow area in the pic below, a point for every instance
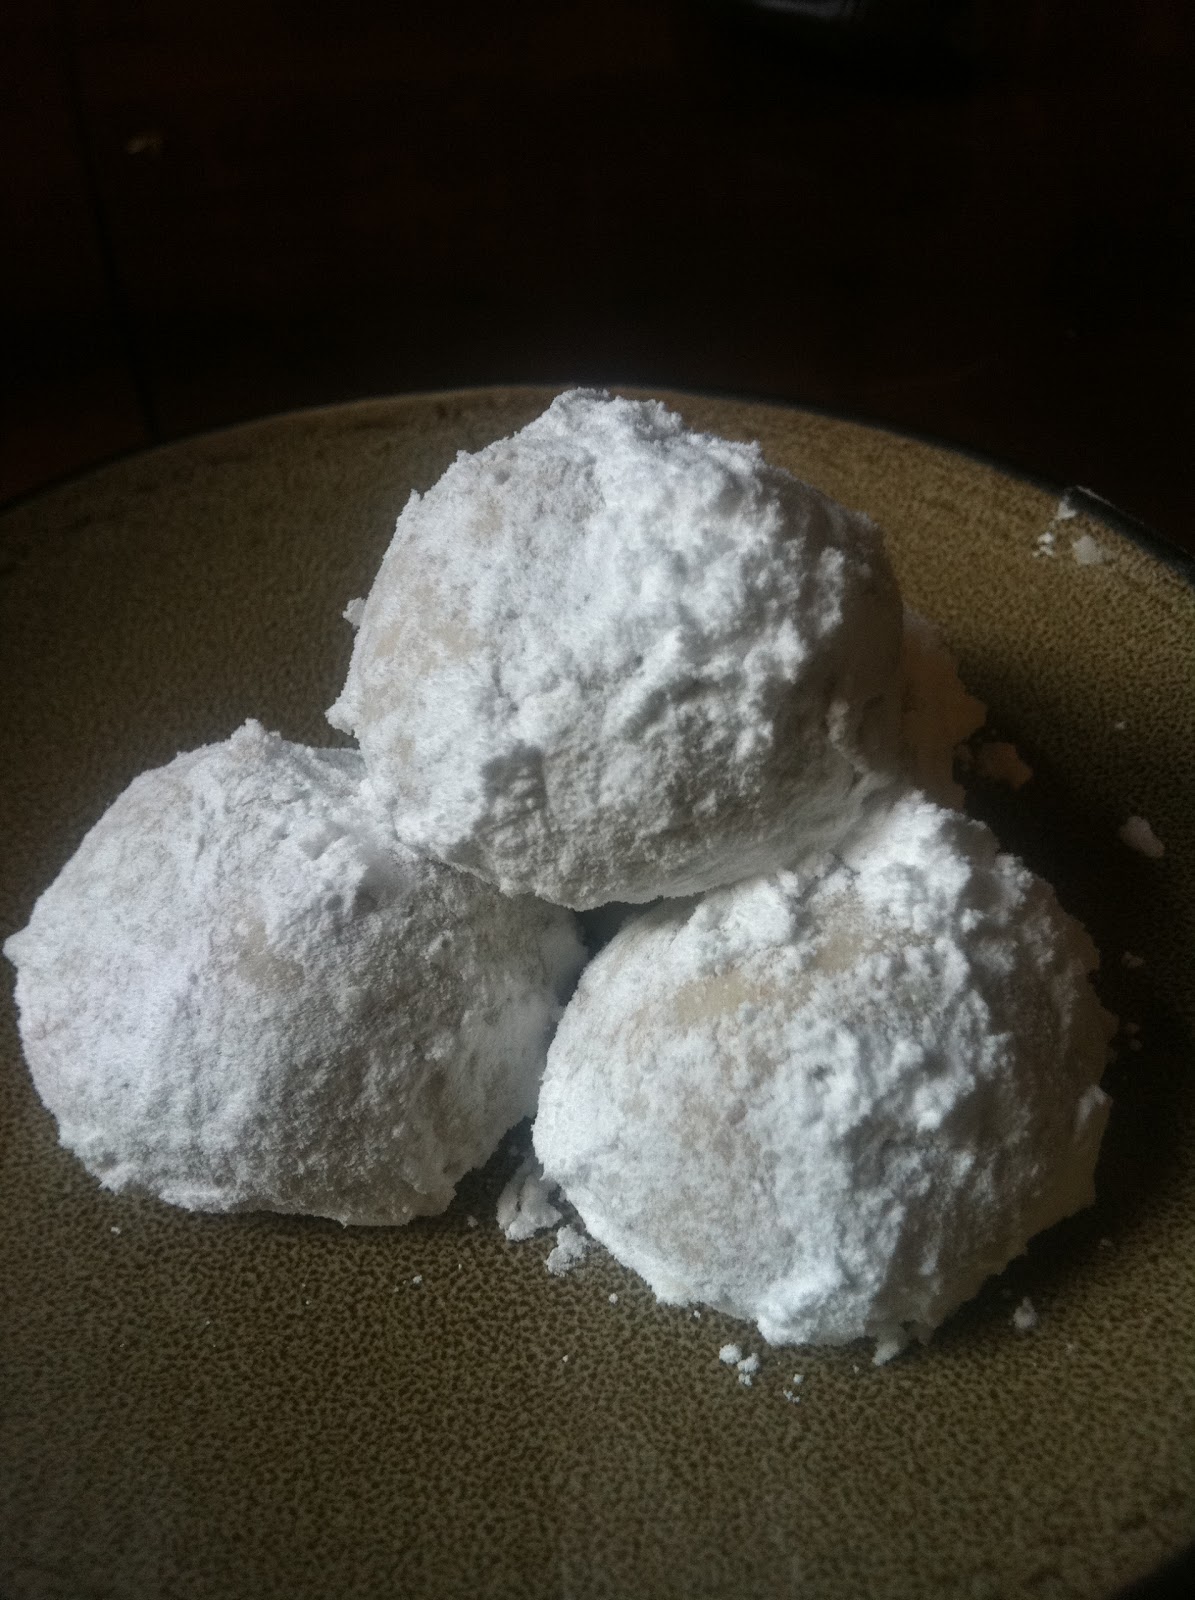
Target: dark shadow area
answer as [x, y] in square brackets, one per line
[968, 220]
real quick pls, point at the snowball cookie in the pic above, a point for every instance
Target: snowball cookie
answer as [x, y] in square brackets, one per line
[610, 659]
[241, 994]
[834, 1107]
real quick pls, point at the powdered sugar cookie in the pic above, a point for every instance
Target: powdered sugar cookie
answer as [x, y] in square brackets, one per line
[612, 659]
[240, 994]
[835, 1106]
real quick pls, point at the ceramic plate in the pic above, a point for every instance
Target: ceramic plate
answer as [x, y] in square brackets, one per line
[206, 1407]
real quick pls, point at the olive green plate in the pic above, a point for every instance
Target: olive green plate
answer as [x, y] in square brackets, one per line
[260, 1406]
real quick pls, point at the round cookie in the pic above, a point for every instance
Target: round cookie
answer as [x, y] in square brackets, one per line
[835, 1106]
[612, 659]
[242, 994]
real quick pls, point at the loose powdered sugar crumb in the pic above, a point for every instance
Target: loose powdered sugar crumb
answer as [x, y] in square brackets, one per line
[570, 1248]
[1025, 1318]
[1087, 552]
[747, 1368]
[525, 1205]
[1139, 836]
[731, 1354]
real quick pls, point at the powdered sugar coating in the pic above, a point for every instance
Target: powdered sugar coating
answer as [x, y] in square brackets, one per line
[610, 659]
[937, 713]
[242, 994]
[835, 1106]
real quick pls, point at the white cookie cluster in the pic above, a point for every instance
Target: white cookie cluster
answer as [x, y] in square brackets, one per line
[842, 1071]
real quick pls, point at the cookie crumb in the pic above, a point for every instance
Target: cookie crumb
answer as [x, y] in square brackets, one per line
[1024, 1318]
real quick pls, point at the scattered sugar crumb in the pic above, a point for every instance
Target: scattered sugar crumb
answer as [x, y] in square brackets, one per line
[793, 1399]
[1120, 725]
[697, 1316]
[747, 1367]
[1087, 552]
[745, 1379]
[613, 1299]
[798, 1377]
[563, 1359]
[571, 1246]
[1133, 962]
[1024, 1318]
[887, 1346]
[353, 613]
[416, 1280]
[113, 1230]
[1000, 761]
[1139, 836]
[470, 1221]
[1046, 543]
[731, 1354]
[525, 1204]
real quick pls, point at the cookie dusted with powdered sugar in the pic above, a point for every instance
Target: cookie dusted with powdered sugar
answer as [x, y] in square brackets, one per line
[611, 659]
[242, 994]
[834, 1105]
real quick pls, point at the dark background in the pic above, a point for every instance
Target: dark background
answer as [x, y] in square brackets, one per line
[212, 211]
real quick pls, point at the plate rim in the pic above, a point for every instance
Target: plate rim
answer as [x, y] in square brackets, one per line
[1082, 499]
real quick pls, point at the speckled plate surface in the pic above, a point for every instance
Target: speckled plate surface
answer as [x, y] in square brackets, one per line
[208, 1407]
